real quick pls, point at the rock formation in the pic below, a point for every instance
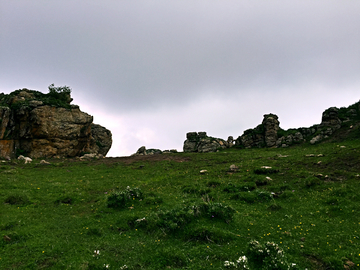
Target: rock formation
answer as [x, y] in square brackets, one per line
[271, 127]
[264, 135]
[269, 133]
[46, 125]
[200, 142]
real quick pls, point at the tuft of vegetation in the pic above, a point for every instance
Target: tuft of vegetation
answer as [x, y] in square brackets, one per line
[17, 199]
[58, 96]
[120, 199]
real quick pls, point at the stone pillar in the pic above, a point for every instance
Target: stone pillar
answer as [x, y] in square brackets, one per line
[271, 127]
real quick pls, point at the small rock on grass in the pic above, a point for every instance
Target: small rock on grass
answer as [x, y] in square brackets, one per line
[233, 168]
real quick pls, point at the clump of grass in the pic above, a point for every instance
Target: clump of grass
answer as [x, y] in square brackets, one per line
[274, 207]
[153, 200]
[94, 232]
[120, 199]
[213, 184]
[17, 199]
[233, 188]
[195, 190]
[261, 182]
[206, 234]
[167, 257]
[312, 181]
[64, 200]
[175, 219]
[266, 171]
[252, 197]
[220, 211]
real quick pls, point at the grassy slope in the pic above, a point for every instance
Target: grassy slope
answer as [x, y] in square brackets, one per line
[316, 220]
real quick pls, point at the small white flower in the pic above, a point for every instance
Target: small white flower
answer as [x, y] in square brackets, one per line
[96, 253]
[106, 265]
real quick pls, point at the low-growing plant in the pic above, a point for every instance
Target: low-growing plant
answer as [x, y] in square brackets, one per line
[120, 199]
[64, 200]
[266, 256]
[207, 234]
[18, 199]
[154, 200]
[312, 181]
[232, 188]
[252, 197]
[213, 184]
[195, 190]
[220, 211]
[266, 171]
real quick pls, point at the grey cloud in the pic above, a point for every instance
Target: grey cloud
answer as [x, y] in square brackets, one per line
[132, 58]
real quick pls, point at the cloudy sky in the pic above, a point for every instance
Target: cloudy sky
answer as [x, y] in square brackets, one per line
[151, 71]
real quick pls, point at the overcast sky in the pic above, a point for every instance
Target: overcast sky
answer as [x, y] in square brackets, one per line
[151, 71]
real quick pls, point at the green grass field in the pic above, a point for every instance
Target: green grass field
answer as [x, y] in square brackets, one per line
[82, 215]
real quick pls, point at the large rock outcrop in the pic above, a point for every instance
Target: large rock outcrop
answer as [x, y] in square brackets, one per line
[44, 125]
[264, 135]
[269, 133]
[201, 143]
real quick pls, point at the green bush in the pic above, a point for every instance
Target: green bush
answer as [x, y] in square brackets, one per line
[266, 171]
[220, 211]
[232, 188]
[120, 199]
[18, 199]
[267, 256]
[207, 235]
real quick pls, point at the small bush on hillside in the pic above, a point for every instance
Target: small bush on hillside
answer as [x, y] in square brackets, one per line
[213, 184]
[266, 256]
[208, 235]
[312, 181]
[176, 218]
[266, 171]
[64, 200]
[167, 258]
[252, 197]
[154, 200]
[261, 182]
[119, 199]
[18, 199]
[220, 211]
[232, 188]
[195, 190]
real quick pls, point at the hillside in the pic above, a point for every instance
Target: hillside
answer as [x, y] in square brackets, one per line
[160, 212]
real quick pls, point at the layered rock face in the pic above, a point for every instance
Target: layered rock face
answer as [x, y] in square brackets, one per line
[269, 133]
[201, 143]
[271, 127]
[30, 125]
[264, 135]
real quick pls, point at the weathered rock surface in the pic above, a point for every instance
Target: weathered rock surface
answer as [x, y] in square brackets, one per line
[38, 129]
[269, 133]
[271, 126]
[201, 143]
[142, 151]
[101, 140]
[331, 119]
[264, 135]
